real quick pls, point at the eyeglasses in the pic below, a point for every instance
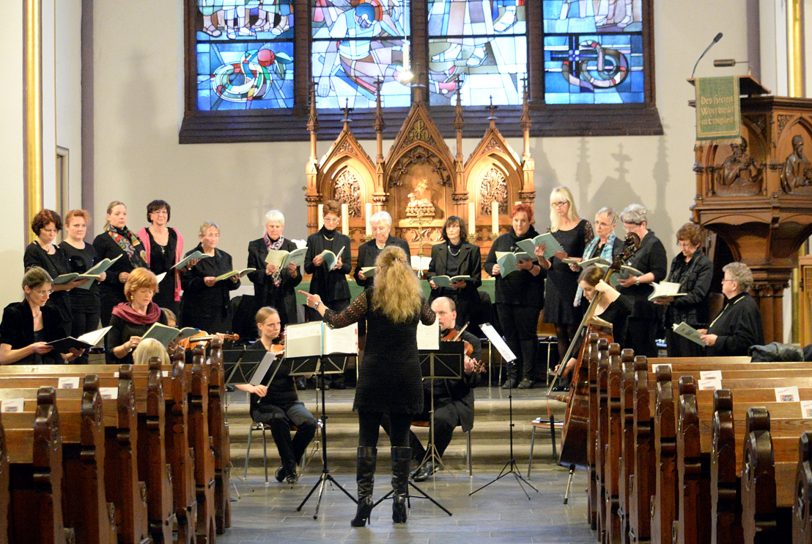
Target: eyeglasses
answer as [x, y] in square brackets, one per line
[559, 203]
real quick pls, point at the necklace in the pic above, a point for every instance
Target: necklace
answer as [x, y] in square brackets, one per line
[452, 253]
[328, 239]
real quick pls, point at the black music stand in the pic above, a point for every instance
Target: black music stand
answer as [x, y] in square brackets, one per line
[510, 466]
[446, 363]
[323, 365]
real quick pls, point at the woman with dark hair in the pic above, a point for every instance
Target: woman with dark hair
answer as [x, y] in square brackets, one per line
[43, 252]
[390, 380]
[117, 241]
[274, 287]
[330, 284]
[456, 257]
[28, 326]
[84, 303]
[131, 319]
[693, 272]
[574, 234]
[163, 247]
[206, 300]
[519, 297]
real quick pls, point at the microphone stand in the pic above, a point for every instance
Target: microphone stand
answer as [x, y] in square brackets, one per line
[713, 42]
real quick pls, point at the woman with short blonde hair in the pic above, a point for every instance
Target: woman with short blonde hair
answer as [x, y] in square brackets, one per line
[132, 319]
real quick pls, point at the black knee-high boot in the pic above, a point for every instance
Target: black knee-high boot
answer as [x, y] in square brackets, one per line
[401, 458]
[365, 477]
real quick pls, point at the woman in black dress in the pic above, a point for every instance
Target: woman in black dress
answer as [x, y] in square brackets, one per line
[519, 298]
[738, 325]
[206, 300]
[330, 285]
[693, 272]
[117, 240]
[84, 303]
[390, 378]
[28, 326]
[573, 233]
[277, 404]
[163, 247]
[612, 307]
[274, 287]
[457, 257]
[43, 252]
[131, 319]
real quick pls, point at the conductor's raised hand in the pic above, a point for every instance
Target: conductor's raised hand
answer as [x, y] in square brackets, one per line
[313, 300]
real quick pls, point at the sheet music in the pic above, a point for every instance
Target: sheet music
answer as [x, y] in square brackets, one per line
[262, 369]
[304, 339]
[428, 336]
[497, 342]
[343, 340]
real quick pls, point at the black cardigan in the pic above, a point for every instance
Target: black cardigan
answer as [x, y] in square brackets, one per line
[331, 285]
[695, 280]
[17, 328]
[120, 332]
[470, 261]
[283, 298]
[55, 265]
[207, 307]
[368, 252]
[520, 288]
[650, 257]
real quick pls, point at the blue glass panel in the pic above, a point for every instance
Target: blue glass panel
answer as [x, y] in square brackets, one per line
[598, 64]
[338, 19]
[244, 20]
[487, 68]
[582, 16]
[346, 72]
[476, 17]
[242, 76]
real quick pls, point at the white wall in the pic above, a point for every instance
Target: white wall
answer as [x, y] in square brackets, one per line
[68, 84]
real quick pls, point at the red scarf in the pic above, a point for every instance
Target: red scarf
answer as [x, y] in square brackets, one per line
[124, 311]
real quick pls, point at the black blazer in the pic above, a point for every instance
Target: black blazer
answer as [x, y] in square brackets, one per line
[283, 298]
[470, 260]
[331, 285]
[368, 252]
[207, 307]
[17, 328]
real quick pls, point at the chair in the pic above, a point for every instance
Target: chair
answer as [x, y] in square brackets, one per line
[261, 427]
[543, 424]
[426, 424]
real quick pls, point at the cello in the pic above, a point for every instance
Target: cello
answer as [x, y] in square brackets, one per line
[574, 434]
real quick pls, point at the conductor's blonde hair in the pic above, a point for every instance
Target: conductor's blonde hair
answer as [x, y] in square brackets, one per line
[396, 294]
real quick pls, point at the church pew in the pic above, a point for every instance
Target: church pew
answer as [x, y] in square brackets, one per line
[592, 428]
[802, 507]
[150, 455]
[602, 437]
[218, 426]
[34, 447]
[82, 420]
[202, 443]
[5, 496]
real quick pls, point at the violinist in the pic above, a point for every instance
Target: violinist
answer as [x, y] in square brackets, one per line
[612, 307]
[453, 399]
[277, 404]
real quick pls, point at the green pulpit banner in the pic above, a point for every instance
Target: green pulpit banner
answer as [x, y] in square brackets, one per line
[718, 115]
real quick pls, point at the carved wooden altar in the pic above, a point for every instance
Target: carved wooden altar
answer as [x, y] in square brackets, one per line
[421, 182]
[756, 195]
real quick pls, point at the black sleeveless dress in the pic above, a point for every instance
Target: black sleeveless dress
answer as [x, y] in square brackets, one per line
[561, 284]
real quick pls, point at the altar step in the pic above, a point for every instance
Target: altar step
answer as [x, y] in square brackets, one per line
[489, 437]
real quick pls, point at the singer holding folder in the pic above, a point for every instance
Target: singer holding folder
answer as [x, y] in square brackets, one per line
[131, 319]
[277, 404]
[390, 379]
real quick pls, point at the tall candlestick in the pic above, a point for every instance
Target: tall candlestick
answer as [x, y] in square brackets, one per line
[471, 219]
[495, 217]
[321, 215]
[368, 215]
[345, 219]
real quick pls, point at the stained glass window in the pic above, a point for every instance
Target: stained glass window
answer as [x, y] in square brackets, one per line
[354, 45]
[244, 53]
[477, 48]
[593, 52]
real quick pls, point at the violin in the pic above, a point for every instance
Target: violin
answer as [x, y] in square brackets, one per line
[203, 337]
[454, 335]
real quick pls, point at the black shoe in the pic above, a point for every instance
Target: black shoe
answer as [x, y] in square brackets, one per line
[292, 477]
[526, 383]
[424, 473]
[510, 384]
[362, 512]
[281, 474]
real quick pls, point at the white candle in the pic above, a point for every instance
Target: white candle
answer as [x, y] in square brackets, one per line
[368, 216]
[345, 219]
[495, 217]
[471, 218]
[321, 215]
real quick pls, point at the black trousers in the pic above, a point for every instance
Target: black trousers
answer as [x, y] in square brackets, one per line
[446, 419]
[84, 321]
[395, 425]
[280, 418]
[519, 328]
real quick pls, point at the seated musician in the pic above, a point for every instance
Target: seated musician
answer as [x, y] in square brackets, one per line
[612, 307]
[277, 404]
[738, 325]
[27, 326]
[453, 399]
[131, 319]
[149, 348]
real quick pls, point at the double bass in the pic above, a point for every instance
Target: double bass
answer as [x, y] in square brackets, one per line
[576, 417]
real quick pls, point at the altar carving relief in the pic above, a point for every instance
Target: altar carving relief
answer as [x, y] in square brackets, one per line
[348, 191]
[493, 187]
[739, 174]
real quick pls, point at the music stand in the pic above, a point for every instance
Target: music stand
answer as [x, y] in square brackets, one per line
[510, 466]
[445, 363]
[323, 365]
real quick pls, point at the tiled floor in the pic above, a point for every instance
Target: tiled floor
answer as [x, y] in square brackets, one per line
[500, 513]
